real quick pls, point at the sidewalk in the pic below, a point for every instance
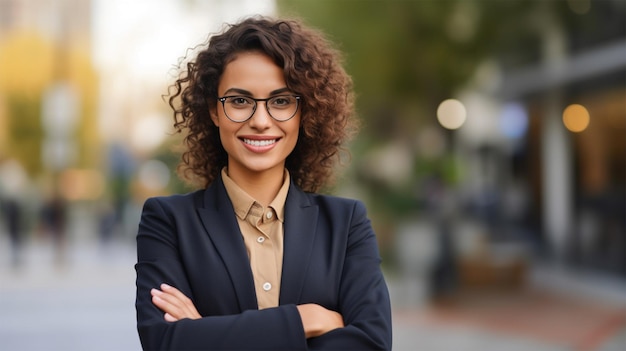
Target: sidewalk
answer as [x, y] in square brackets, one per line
[559, 310]
[85, 304]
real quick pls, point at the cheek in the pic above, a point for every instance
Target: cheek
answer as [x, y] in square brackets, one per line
[296, 127]
[227, 134]
[294, 131]
[227, 127]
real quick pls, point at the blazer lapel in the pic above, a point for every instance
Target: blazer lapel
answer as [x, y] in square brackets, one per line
[218, 218]
[300, 228]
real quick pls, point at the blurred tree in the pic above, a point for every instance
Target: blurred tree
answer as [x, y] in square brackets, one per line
[25, 132]
[26, 68]
[30, 63]
[26, 62]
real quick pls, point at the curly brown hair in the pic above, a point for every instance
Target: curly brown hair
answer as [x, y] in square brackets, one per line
[312, 69]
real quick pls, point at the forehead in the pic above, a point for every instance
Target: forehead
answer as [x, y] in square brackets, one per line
[252, 71]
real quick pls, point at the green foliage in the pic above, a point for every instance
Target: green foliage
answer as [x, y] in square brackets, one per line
[25, 131]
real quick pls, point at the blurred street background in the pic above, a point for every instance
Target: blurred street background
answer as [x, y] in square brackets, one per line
[492, 159]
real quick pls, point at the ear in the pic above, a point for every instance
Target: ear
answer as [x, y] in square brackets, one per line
[214, 117]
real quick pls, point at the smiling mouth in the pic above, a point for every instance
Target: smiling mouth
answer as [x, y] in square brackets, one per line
[260, 142]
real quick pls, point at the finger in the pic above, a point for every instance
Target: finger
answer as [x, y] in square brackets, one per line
[175, 292]
[175, 303]
[172, 313]
[167, 303]
[169, 297]
[162, 304]
[168, 317]
[186, 306]
[164, 298]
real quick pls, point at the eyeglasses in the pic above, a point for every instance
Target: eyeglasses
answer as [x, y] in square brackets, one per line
[240, 108]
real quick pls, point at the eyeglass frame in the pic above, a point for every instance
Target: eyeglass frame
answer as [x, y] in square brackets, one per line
[222, 99]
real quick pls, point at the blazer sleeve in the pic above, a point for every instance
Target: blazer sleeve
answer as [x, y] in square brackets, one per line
[363, 295]
[159, 261]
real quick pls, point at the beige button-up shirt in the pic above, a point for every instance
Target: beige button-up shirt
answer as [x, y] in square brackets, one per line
[262, 231]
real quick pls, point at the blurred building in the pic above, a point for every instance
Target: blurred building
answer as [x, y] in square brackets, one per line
[555, 175]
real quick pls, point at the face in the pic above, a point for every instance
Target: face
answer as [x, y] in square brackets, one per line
[260, 145]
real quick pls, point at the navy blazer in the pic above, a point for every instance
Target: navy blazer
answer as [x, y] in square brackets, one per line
[331, 258]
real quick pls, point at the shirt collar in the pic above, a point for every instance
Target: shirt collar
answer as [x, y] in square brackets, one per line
[243, 203]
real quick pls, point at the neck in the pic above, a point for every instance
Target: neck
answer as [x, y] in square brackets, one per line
[262, 186]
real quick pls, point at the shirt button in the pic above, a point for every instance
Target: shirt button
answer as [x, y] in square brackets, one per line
[268, 215]
[267, 286]
[260, 240]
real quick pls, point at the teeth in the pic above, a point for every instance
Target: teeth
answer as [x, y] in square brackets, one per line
[259, 142]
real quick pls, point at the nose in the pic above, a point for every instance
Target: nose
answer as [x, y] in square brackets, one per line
[261, 118]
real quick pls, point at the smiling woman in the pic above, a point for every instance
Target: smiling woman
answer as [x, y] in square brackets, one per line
[311, 70]
[256, 259]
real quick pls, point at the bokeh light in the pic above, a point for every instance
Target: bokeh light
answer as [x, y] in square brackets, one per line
[451, 114]
[576, 118]
[149, 132]
[514, 121]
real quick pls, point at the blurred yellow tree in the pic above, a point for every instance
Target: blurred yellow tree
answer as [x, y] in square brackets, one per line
[30, 63]
[26, 68]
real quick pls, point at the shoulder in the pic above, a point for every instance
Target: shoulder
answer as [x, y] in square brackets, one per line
[333, 200]
[336, 205]
[176, 201]
[296, 194]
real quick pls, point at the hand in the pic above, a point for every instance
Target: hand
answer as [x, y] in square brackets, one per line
[174, 303]
[318, 320]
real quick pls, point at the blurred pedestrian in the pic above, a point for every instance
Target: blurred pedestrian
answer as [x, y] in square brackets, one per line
[54, 221]
[12, 212]
[13, 182]
[257, 259]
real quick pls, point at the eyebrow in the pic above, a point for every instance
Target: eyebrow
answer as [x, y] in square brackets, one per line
[246, 92]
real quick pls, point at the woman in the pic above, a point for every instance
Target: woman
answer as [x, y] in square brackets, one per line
[257, 259]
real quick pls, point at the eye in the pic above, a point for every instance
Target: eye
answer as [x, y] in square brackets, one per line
[282, 101]
[239, 101]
